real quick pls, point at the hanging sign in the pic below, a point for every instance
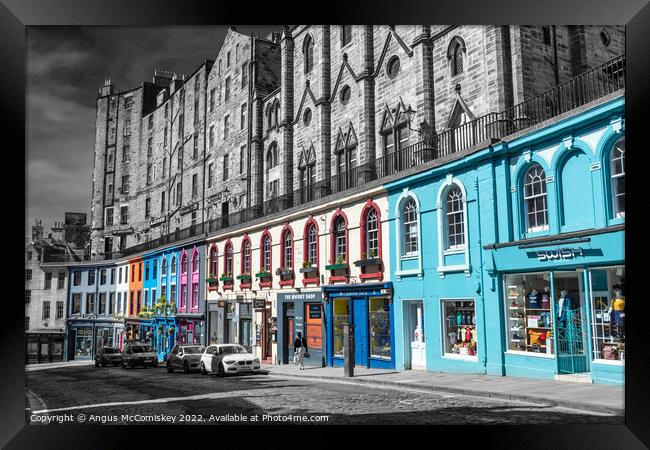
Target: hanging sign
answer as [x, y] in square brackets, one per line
[157, 222]
[189, 208]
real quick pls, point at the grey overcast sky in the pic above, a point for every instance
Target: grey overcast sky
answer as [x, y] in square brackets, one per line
[65, 68]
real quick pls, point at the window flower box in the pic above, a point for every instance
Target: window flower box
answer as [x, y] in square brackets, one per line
[337, 266]
[225, 278]
[288, 273]
[244, 277]
[263, 274]
[308, 270]
[368, 262]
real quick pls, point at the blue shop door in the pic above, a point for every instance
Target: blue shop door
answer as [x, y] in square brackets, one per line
[360, 321]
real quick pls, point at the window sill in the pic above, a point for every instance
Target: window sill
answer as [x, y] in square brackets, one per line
[287, 283]
[409, 257]
[372, 276]
[308, 281]
[454, 251]
[343, 278]
[245, 286]
[609, 362]
[266, 284]
[533, 354]
[466, 358]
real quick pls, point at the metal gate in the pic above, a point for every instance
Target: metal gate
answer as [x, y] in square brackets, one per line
[572, 341]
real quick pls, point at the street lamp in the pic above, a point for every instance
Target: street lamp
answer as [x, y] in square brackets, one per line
[410, 113]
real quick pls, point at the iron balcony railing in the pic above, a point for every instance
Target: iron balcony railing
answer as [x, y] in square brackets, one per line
[591, 85]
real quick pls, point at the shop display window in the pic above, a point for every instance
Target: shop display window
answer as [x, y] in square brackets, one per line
[379, 320]
[459, 327]
[84, 342]
[341, 316]
[608, 313]
[529, 318]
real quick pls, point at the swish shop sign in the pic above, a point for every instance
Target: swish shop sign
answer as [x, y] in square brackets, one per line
[559, 254]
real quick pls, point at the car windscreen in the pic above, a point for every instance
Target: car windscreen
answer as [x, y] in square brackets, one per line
[111, 350]
[230, 349]
[193, 349]
[142, 348]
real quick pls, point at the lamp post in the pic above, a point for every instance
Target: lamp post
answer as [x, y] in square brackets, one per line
[410, 113]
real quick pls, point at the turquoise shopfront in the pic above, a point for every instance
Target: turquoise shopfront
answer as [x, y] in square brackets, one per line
[369, 309]
[561, 308]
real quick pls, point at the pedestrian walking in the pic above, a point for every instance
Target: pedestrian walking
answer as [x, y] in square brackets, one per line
[300, 349]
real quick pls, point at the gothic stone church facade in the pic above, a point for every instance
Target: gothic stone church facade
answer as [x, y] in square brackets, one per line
[307, 107]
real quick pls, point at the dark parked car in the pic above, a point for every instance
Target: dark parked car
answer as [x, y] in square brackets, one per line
[186, 357]
[139, 354]
[108, 355]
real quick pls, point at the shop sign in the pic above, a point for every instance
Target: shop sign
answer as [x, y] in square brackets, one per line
[215, 198]
[559, 254]
[240, 298]
[305, 296]
[315, 311]
[189, 208]
[259, 303]
[157, 222]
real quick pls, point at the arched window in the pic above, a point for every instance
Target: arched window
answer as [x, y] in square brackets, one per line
[213, 261]
[410, 228]
[617, 175]
[311, 243]
[195, 262]
[308, 53]
[455, 218]
[455, 55]
[173, 265]
[276, 112]
[227, 259]
[272, 156]
[246, 257]
[266, 252]
[346, 35]
[269, 116]
[535, 199]
[184, 263]
[340, 240]
[163, 267]
[370, 231]
[287, 249]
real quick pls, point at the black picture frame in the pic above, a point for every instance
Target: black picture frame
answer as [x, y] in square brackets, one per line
[15, 15]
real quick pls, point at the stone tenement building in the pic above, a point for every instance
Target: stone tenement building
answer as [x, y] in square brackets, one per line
[307, 111]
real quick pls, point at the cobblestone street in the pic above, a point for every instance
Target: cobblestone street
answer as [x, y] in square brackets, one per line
[109, 393]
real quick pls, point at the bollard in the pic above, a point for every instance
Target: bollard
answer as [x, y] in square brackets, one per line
[348, 350]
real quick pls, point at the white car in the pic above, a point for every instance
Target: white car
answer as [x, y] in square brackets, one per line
[228, 358]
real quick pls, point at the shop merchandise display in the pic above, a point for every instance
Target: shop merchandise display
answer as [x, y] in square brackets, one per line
[529, 319]
[461, 328]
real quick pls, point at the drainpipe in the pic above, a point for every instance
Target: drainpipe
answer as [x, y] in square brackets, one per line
[482, 282]
[555, 60]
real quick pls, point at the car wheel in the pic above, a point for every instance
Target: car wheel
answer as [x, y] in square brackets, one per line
[203, 371]
[186, 367]
[222, 371]
[170, 369]
[96, 363]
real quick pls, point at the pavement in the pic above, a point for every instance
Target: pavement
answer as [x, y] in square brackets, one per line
[46, 366]
[597, 398]
[582, 396]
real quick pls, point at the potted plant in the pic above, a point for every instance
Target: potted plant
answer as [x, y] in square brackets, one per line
[263, 273]
[307, 267]
[211, 280]
[244, 276]
[339, 264]
[170, 330]
[226, 277]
